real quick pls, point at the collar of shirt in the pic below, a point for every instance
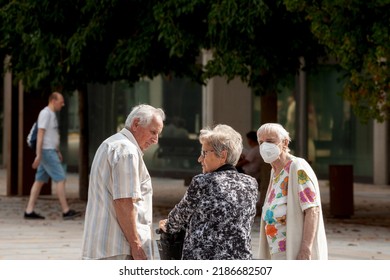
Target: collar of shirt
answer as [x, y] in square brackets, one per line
[130, 136]
[226, 167]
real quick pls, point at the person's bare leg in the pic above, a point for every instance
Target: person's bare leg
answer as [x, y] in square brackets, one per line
[62, 196]
[34, 193]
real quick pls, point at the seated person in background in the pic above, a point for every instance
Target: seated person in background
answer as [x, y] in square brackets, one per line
[175, 128]
[251, 160]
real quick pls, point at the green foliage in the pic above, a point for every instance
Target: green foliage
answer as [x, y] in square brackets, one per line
[34, 34]
[75, 42]
[68, 44]
[257, 40]
[356, 33]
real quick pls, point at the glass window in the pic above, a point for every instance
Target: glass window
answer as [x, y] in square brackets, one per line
[335, 135]
[109, 105]
[179, 147]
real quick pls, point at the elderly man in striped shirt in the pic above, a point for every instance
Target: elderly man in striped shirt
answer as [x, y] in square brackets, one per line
[118, 217]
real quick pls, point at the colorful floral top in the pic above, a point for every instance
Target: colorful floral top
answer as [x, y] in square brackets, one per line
[275, 206]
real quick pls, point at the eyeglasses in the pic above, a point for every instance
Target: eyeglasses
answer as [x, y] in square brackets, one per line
[203, 154]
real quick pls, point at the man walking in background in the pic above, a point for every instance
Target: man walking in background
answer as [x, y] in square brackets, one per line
[48, 159]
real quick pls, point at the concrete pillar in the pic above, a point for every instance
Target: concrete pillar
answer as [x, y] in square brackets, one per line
[207, 96]
[380, 154]
[233, 105]
[226, 102]
[7, 135]
[7, 115]
[301, 135]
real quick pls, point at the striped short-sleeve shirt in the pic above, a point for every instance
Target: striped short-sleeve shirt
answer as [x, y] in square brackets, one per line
[118, 171]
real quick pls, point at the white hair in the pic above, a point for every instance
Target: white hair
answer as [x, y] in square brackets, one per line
[274, 128]
[145, 114]
[223, 138]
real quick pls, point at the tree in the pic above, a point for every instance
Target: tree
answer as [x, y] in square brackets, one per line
[70, 44]
[256, 40]
[121, 37]
[356, 33]
[129, 32]
[35, 36]
[64, 45]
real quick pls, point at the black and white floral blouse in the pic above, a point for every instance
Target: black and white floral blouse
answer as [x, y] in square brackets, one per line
[217, 212]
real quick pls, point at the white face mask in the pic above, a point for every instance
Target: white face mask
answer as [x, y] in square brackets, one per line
[269, 152]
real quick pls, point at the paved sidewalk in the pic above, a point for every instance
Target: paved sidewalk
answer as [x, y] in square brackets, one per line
[364, 236]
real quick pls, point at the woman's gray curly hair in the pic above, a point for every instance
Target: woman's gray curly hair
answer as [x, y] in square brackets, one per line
[223, 138]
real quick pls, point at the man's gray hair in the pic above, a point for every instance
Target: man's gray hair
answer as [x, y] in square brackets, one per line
[223, 138]
[145, 113]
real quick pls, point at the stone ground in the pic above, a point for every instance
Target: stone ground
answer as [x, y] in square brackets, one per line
[363, 236]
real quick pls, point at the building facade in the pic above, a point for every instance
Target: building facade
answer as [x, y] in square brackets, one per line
[334, 136]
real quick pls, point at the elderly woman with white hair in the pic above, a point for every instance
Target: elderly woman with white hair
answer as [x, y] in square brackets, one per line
[218, 209]
[292, 225]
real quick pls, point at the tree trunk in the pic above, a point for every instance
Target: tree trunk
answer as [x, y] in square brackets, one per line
[83, 146]
[29, 105]
[269, 113]
[269, 107]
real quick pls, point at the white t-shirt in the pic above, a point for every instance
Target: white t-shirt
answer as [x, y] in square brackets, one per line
[47, 120]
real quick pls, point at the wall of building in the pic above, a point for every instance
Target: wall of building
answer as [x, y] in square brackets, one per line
[232, 105]
[366, 147]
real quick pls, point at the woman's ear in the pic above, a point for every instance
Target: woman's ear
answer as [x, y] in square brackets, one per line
[284, 144]
[224, 156]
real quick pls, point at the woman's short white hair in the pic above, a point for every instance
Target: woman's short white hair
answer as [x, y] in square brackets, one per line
[145, 113]
[223, 138]
[274, 128]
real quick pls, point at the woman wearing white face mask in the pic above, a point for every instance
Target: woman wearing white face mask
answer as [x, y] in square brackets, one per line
[292, 225]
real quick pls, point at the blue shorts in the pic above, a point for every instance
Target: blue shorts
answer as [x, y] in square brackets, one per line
[50, 166]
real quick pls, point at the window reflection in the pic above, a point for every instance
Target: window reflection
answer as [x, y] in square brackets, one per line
[109, 105]
[335, 136]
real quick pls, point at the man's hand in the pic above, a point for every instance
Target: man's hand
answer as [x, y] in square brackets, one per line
[127, 218]
[59, 155]
[137, 252]
[36, 162]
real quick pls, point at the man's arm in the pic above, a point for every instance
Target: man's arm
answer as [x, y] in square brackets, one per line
[126, 215]
[38, 153]
[310, 225]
